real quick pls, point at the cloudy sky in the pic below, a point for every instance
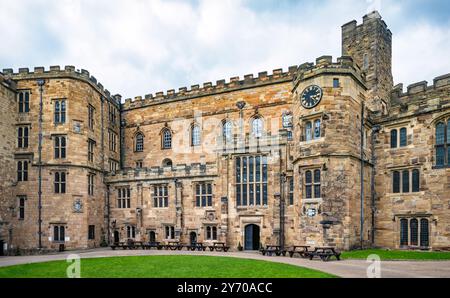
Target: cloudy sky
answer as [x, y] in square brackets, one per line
[136, 47]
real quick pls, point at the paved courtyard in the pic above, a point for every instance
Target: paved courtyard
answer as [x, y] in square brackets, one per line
[344, 268]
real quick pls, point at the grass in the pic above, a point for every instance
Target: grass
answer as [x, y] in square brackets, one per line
[165, 266]
[397, 255]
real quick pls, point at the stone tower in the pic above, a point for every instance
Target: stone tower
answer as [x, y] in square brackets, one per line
[370, 45]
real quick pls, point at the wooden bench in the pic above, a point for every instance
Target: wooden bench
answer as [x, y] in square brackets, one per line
[150, 245]
[273, 249]
[196, 246]
[219, 246]
[129, 244]
[301, 250]
[173, 245]
[324, 253]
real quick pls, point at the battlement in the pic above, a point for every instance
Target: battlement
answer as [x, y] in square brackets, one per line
[368, 20]
[325, 65]
[169, 172]
[420, 88]
[57, 71]
[208, 88]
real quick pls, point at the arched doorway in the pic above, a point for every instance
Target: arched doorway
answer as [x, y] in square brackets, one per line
[193, 237]
[152, 237]
[116, 237]
[251, 236]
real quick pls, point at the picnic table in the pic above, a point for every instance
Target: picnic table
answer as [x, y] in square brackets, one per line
[130, 244]
[150, 245]
[301, 250]
[324, 253]
[173, 245]
[273, 249]
[196, 246]
[219, 246]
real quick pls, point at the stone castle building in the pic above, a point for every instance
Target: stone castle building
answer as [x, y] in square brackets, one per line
[329, 153]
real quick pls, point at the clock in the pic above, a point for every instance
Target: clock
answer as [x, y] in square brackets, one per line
[311, 96]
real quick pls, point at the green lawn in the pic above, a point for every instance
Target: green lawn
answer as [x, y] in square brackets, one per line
[165, 266]
[397, 254]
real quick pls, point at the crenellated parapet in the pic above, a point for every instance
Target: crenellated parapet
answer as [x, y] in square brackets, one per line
[418, 98]
[58, 72]
[208, 88]
[168, 172]
[324, 65]
[419, 89]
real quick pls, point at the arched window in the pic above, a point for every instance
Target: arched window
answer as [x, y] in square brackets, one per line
[257, 127]
[405, 181]
[414, 231]
[396, 182]
[167, 162]
[139, 142]
[166, 141]
[227, 131]
[442, 145]
[316, 129]
[415, 181]
[195, 135]
[308, 131]
[403, 231]
[424, 233]
[403, 137]
[394, 138]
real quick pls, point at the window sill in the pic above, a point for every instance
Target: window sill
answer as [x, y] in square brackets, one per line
[440, 167]
[243, 208]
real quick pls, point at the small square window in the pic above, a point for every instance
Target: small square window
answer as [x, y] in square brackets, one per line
[336, 83]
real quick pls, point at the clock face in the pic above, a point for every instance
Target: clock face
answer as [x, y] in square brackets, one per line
[311, 96]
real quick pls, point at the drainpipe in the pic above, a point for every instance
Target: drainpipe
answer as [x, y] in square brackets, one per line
[40, 83]
[361, 234]
[375, 131]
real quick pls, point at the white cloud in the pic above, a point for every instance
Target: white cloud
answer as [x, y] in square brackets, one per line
[138, 47]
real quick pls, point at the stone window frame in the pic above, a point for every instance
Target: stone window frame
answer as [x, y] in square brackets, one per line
[112, 114]
[196, 134]
[227, 130]
[22, 167]
[160, 195]
[313, 184]
[312, 119]
[445, 146]
[130, 231]
[123, 197]
[23, 101]
[257, 131]
[21, 205]
[198, 196]
[59, 233]
[169, 232]
[91, 184]
[211, 232]
[139, 141]
[397, 129]
[113, 165]
[91, 150]
[112, 140]
[59, 147]
[413, 187]
[290, 190]
[263, 181]
[410, 241]
[139, 164]
[23, 136]
[60, 110]
[166, 138]
[60, 181]
[91, 117]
